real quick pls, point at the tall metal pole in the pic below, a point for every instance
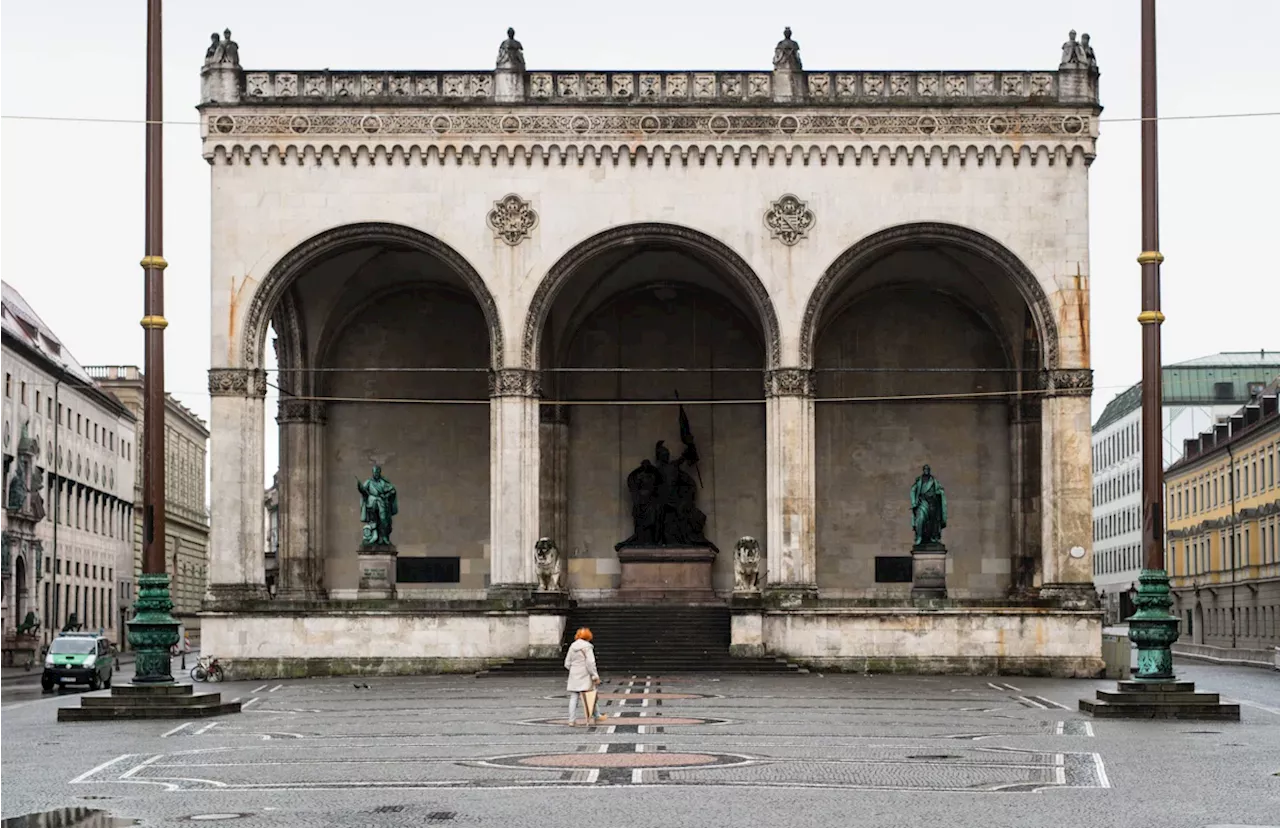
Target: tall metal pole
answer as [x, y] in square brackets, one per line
[153, 630]
[1152, 628]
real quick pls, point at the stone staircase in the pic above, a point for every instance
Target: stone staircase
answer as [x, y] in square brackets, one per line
[650, 639]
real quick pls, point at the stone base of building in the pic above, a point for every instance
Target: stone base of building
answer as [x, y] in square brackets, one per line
[1239, 656]
[398, 638]
[666, 574]
[979, 641]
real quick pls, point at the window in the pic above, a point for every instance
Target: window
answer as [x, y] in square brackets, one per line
[24, 393]
[95, 432]
[8, 385]
[48, 407]
[37, 402]
[78, 424]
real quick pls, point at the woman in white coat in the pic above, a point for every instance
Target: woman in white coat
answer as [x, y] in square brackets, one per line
[580, 661]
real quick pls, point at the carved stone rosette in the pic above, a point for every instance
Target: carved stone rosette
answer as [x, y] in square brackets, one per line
[300, 411]
[512, 219]
[789, 219]
[789, 382]
[514, 382]
[1068, 382]
[237, 382]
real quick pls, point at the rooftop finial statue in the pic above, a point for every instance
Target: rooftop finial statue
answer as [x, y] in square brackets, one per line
[787, 54]
[222, 51]
[377, 506]
[1078, 54]
[928, 508]
[511, 53]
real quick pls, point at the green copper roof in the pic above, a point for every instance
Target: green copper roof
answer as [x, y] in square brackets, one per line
[1217, 379]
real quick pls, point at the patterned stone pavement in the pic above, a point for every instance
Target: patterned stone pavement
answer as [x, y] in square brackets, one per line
[683, 750]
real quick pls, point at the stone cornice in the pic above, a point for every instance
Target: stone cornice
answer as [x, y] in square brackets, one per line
[237, 382]
[1068, 382]
[731, 88]
[300, 411]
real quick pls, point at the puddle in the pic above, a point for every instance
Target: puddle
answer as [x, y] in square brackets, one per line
[68, 818]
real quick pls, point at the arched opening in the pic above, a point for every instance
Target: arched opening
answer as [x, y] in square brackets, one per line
[383, 339]
[636, 317]
[921, 339]
[20, 603]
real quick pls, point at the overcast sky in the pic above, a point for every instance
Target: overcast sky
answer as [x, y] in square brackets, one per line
[72, 205]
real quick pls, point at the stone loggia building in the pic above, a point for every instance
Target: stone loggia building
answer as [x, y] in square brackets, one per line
[494, 283]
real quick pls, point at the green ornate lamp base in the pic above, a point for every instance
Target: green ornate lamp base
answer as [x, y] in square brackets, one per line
[1152, 628]
[153, 631]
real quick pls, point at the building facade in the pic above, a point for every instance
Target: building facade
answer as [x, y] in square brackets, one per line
[1223, 548]
[186, 516]
[70, 454]
[494, 285]
[1197, 394]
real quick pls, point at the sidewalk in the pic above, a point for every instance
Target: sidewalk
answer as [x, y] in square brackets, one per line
[17, 675]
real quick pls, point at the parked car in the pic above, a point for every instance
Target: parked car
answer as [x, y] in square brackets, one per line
[78, 658]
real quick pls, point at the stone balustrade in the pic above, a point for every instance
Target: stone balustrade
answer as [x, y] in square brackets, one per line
[669, 89]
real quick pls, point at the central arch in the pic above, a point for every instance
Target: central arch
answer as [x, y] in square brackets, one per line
[651, 236]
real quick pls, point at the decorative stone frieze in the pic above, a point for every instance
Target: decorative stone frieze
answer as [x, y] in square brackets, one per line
[1068, 382]
[789, 382]
[860, 122]
[512, 219]
[300, 411]
[514, 382]
[237, 382]
[789, 219]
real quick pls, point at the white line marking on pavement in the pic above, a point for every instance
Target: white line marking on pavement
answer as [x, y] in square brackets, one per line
[131, 771]
[1103, 781]
[603, 749]
[258, 689]
[639, 748]
[1051, 701]
[82, 777]
[1011, 687]
[1033, 703]
[994, 686]
[182, 726]
[1088, 729]
[637, 776]
[251, 701]
[207, 728]
[1057, 731]
[236, 699]
[274, 689]
[593, 776]
[1256, 705]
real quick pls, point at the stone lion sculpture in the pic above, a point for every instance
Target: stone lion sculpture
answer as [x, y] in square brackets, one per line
[547, 561]
[746, 565]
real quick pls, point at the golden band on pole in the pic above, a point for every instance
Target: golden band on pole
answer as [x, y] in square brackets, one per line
[156, 262]
[1150, 257]
[1151, 317]
[154, 322]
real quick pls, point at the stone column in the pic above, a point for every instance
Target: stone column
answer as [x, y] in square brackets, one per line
[513, 480]
[553, 483]
[301, 555]
[236, 545]
[1066, 488]
[1024, 505]
[790, 570]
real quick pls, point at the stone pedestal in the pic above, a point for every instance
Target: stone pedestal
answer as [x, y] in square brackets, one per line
[377, 571]
[148, 701]
[1159, 700]
[666, 573]
[929, 571]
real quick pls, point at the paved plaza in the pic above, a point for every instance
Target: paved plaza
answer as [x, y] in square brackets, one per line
[682, 750]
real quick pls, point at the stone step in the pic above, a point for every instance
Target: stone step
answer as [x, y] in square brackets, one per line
[152, 690]
[1163, 687]
[125, 710]
[1108, 710]
[165, 700]
[1180, 697]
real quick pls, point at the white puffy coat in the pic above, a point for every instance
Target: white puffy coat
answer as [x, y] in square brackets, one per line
[580, 661]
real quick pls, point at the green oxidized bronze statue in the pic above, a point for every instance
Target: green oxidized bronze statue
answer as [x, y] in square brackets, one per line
[928, 508]
[377, 506]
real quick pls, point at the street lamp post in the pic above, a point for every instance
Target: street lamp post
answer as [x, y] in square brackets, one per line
[153, 629]
[1152, 628]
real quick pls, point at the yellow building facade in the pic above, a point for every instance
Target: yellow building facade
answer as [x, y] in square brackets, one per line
[1222, 512]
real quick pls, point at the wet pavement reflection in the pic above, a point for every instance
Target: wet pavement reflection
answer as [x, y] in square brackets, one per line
[68, 818]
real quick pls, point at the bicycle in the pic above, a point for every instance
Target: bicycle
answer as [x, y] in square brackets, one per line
[207, 669]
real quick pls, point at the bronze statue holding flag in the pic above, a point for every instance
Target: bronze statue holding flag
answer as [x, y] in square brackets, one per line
[663, 497]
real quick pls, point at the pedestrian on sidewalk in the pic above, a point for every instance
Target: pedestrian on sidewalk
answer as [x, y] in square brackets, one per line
[580, 661]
